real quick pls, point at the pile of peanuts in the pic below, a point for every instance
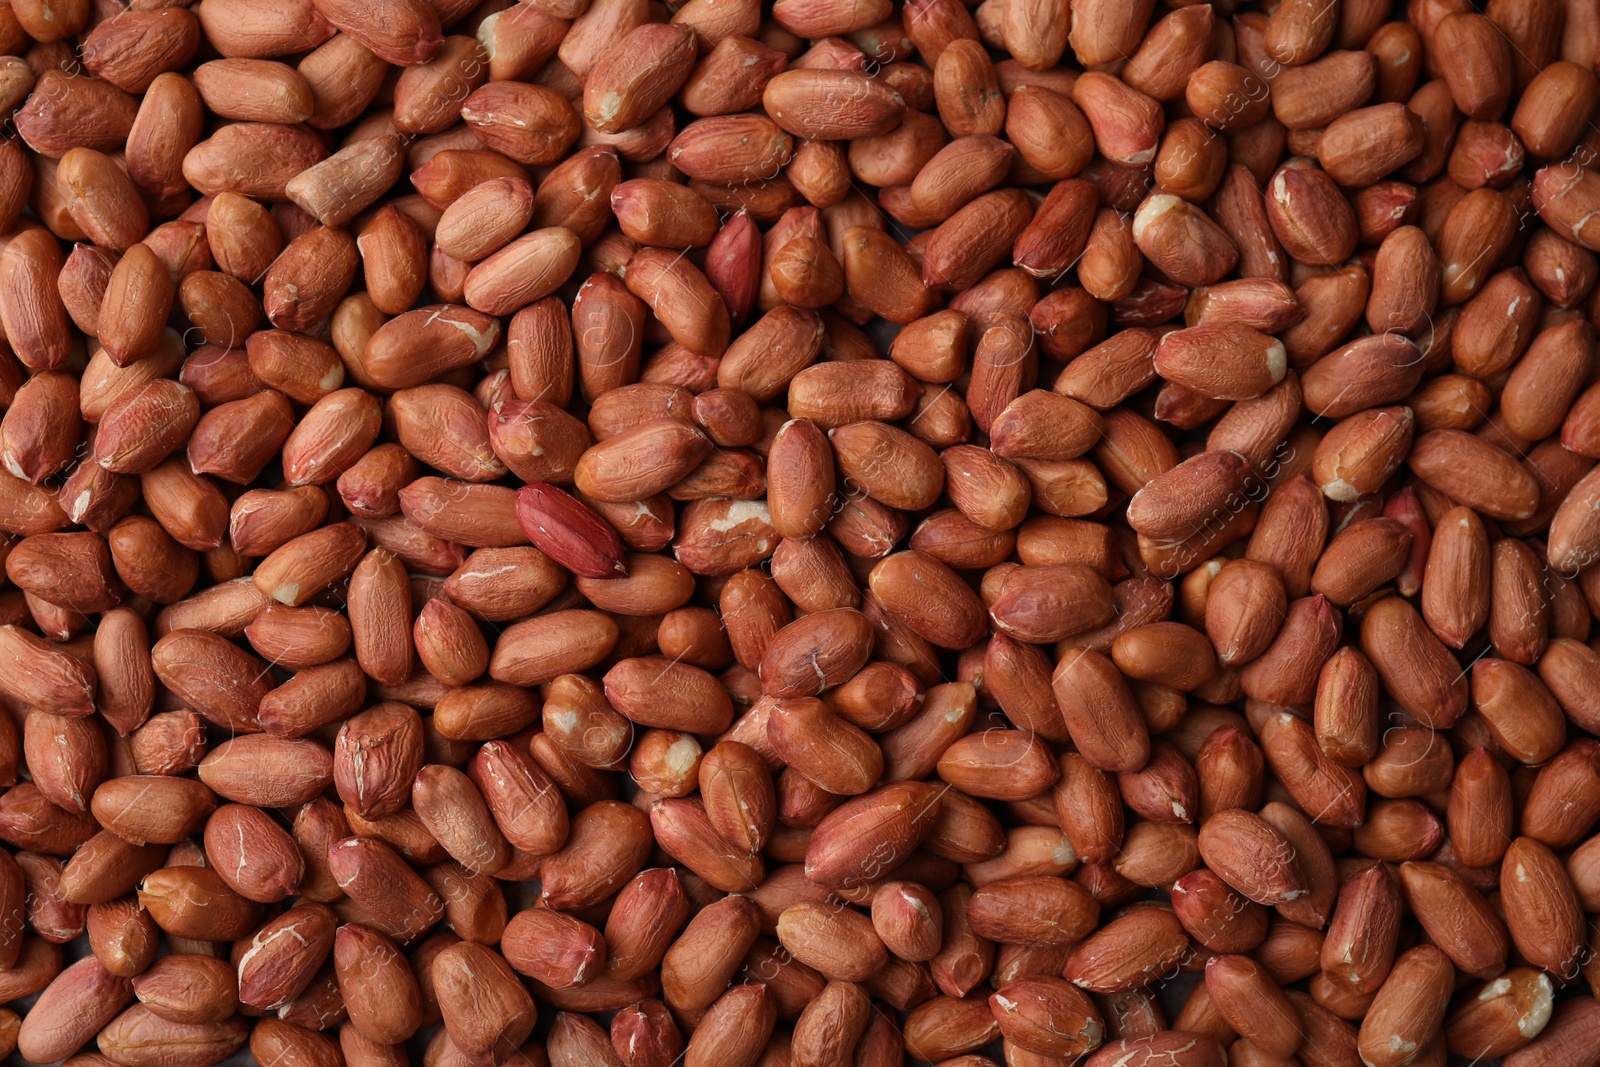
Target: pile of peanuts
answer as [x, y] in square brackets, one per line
[832, 533]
